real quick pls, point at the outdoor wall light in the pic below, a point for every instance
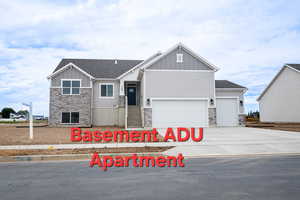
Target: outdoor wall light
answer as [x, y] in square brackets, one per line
[148, 102]
[211, 102]
[241, 103]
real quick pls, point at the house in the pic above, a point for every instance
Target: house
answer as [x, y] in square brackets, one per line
[38, 117]
[279, 102]
[17, 116]
[170, 89]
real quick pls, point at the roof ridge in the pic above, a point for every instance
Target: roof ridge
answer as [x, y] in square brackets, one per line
[109, 59]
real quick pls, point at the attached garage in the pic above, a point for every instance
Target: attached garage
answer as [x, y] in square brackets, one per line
[179, 113]
[227, 111]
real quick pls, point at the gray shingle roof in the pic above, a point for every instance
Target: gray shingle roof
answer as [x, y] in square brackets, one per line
[227, 84]
[295, 66]
[101, 68]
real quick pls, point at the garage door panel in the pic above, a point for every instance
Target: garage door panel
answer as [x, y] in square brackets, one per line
[174, 113]
[227, 112]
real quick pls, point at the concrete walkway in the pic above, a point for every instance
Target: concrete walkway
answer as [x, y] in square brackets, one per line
[216, 142]
[241, 141]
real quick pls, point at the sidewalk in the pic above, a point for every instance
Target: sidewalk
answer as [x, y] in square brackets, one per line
[216, 142]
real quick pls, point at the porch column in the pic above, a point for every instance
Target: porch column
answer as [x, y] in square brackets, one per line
[122, 93]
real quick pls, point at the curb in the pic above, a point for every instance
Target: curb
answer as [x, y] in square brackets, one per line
[29, 158]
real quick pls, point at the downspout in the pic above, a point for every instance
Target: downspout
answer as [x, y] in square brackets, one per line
[92, 98]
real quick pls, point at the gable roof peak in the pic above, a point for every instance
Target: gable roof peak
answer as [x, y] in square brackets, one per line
[191, 52]
[294, 66]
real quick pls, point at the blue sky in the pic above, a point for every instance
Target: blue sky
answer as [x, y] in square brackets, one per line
[248, 40]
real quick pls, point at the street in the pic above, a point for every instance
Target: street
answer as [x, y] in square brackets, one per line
[269, 177]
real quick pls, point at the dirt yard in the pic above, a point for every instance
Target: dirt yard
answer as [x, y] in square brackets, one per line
[83, 151]
[11, 135]
[275, 126]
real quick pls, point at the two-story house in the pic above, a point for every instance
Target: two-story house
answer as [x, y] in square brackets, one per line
[171, 89]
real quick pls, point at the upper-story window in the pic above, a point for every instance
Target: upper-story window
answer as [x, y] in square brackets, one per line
[179, 57]
[70, 87]
[106, 90]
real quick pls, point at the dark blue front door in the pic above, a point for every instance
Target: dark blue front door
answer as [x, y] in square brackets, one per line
[131, 95]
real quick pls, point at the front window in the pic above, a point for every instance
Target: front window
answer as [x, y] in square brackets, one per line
[71, 87]
[106, 90]
[70, 117]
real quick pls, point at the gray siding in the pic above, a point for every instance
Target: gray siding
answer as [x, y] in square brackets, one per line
[232, 93]
[105, 110]
[189, 62]
[105, 102]
[109, 116]
[71, 73]
[281, 101]
[188, 84]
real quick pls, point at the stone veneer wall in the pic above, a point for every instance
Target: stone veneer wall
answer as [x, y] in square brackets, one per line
[147, 117]
[70, 103]
[212, 117]
[121, 102]
[242, 119]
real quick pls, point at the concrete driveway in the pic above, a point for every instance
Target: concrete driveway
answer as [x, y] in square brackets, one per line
[241, 141]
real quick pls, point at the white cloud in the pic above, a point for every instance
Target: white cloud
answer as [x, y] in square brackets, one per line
[248, 40]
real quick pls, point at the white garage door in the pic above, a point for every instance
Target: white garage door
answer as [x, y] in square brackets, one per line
[179, 113]
[227, 112]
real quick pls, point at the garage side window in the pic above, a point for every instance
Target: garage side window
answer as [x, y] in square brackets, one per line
[106, 90]
[70, 117]
[70, 87]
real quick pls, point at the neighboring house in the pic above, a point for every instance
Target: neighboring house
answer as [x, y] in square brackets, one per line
[279, 102]
[171, 89]
[38, 117]
[17, 116]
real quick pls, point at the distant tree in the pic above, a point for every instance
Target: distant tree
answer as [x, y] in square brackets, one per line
[253, 114]
[256, 114]
[23, 112]
[6, 112]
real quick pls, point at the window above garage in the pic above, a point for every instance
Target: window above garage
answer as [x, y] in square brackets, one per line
[179, 58]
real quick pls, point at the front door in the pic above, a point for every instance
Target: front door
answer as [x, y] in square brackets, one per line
[131, 95]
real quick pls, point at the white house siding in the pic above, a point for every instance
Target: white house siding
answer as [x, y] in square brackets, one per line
[280, 103]
[232, 93]
[176, 84]
[71, 73]
[182, 84]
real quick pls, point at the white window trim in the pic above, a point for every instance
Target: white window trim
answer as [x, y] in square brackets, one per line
[70, 117]
[106, 97]
[179, 58]
[61, 86]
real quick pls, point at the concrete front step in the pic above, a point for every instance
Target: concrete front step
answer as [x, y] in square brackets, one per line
[134, 116]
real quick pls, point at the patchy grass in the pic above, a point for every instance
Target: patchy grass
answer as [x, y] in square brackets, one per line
[12, 122]
[83, 151]
[10, 135]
